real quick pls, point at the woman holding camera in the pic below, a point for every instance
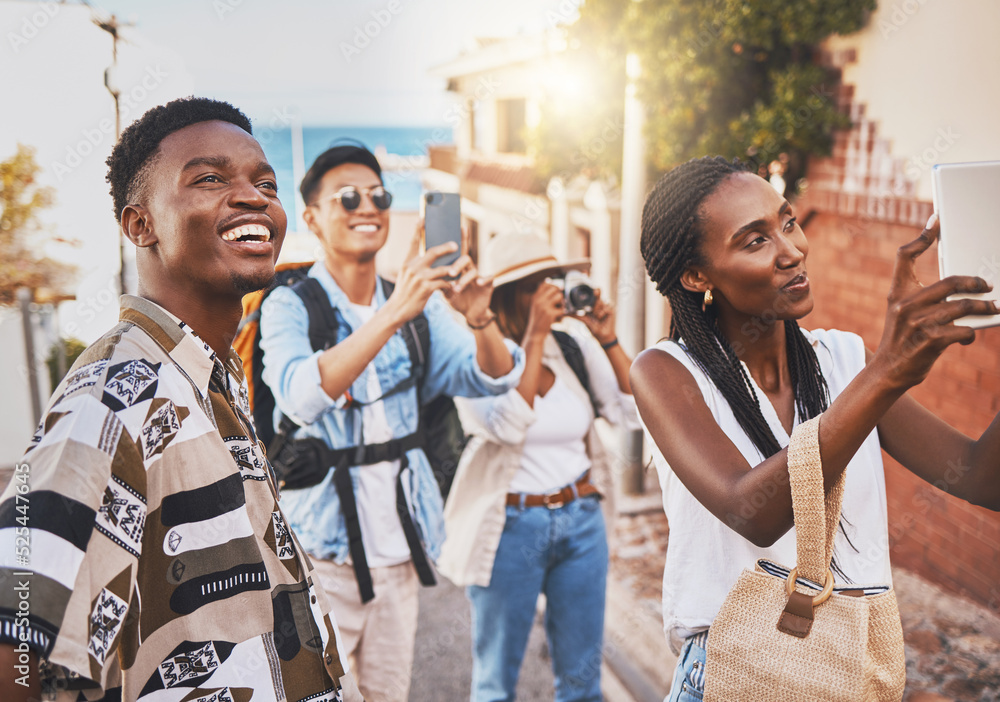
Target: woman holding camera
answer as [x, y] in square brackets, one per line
[721, 396]
[523, 516]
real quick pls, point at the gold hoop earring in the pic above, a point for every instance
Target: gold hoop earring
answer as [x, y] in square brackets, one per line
[708, 298]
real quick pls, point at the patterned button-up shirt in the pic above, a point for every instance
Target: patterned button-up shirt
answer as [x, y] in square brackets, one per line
[141, 544]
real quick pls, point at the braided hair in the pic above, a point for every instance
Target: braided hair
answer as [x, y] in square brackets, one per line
[671, 242]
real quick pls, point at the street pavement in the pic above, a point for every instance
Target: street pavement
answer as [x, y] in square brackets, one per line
[442, 666]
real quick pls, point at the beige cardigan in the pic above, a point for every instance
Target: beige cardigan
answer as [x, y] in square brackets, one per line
[475, 512]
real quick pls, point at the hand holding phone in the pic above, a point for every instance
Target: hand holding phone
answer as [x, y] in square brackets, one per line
[442, 223]
[967, 201]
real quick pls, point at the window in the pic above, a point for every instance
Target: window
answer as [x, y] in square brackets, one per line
[511, 126]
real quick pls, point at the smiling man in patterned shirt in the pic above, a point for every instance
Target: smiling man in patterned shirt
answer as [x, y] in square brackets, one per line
[142, 550]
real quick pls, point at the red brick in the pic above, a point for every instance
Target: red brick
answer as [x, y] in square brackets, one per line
[888, 249]
[960, 370]
[823, 202]
[880, 270]
[909, 554]
[946, 565]
[991, 533]
[990, 337]
[960, 390]
[984, 357]
[965, 516]
[989, 381]
[892, 210]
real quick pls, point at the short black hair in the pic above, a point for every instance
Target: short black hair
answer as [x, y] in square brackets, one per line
[136, 150]
[330, 159]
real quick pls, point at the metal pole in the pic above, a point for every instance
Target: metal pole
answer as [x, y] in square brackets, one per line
[559, 207]
[24, 300]
[631, 271]
[112, 26]
[121, 232]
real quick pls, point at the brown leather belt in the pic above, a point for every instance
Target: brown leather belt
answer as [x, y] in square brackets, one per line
[582, 488]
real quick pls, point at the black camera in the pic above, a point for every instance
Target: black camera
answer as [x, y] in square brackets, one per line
[578, 293]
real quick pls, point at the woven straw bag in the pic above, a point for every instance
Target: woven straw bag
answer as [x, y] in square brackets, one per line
[772, 642]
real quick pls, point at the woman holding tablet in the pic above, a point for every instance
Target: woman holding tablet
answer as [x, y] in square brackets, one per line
[721, 396]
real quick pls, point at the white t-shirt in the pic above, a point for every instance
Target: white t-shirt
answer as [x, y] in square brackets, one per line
[705, 556]
[554, 453]
[381, 531]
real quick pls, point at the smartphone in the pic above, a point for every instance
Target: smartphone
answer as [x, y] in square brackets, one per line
[442, 223]
[967, 201]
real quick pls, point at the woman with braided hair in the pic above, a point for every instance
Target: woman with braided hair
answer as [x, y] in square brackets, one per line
[720, 396]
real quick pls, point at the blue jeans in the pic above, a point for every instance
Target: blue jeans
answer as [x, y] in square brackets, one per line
[564, 553]
[689, 676]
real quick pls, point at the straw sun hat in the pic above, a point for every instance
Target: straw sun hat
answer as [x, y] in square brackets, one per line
[511, 257]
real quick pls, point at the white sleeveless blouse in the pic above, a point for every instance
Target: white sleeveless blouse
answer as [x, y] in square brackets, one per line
[705, 557]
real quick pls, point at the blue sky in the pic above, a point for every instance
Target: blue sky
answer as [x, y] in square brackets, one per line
[334, 62]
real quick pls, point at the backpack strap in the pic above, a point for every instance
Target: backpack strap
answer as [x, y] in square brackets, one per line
[573, 354]
[322, 335]
[323, 325]
[261, 397]
[417, 335]
[323, 322]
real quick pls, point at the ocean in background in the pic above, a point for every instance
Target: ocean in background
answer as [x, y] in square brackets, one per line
[401, 141]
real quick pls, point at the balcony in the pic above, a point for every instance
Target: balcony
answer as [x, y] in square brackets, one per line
[444, 157]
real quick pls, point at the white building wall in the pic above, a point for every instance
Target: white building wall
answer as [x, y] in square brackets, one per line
[52, 62]
[926, 71]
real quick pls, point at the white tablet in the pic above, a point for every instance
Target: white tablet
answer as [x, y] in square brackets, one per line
[967, 200]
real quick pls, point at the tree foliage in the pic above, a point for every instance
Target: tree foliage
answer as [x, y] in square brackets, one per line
[21, 232]
[581, 127]
[730, 77]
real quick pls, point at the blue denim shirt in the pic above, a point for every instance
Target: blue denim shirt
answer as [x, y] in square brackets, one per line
[291, 370]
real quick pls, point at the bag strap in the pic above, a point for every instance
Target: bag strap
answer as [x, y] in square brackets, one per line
[573, 354]
[816, 517]
[420, 561]
[417, 335]
[322, 315]
[352, 522]
[322, 335]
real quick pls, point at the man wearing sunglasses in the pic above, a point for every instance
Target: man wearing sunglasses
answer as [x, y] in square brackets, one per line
[359, 392]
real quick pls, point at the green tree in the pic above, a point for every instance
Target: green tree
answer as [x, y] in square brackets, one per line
[581, 125]
[730, 77]
[21, 232]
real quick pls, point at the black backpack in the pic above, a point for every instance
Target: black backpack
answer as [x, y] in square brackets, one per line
[301, 463]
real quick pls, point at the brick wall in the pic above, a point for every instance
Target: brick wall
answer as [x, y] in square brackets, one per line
[858, 209]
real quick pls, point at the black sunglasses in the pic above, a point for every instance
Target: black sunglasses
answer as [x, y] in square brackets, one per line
[350, 197]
